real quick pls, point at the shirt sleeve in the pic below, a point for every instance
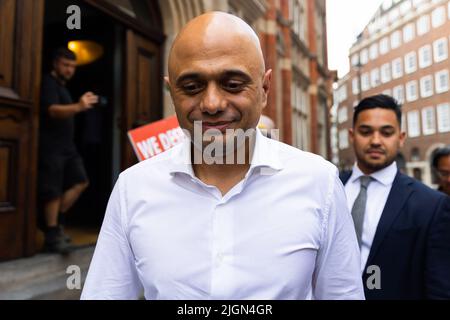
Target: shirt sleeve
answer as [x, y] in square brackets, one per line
[112, 273]
[49, 94]
[338, 273]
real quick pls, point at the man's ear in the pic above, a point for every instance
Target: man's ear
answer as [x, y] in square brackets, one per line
[267, 81]
[402, 139]
[167, 82]
[266, 86]
[351, 135]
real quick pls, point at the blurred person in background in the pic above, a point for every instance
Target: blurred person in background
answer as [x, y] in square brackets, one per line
[440, 164]
[62, 177]
[402, 226]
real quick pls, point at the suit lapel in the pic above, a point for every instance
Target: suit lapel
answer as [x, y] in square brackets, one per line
[398, 195]
[345, 176]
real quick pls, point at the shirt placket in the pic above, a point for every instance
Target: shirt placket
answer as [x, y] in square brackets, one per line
[222, 255]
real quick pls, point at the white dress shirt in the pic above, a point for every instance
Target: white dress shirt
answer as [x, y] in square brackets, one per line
[284, 232]
[377, 194]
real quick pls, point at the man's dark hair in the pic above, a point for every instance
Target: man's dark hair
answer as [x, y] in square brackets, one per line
[438, 154]
[63, 52]
[379, 101]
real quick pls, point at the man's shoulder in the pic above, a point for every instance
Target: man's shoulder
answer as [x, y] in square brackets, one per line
[160, 163]
[422, 194]
[48, 79]
[296, 158]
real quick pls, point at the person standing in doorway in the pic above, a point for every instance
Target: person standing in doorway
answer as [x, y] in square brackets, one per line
[62, 177]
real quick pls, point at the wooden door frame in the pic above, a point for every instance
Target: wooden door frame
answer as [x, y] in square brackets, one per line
[136, 33]
[20, 106]
[153, 33]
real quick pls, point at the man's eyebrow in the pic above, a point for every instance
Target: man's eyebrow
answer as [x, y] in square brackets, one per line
[366, 126]
[236, 73]
[188, 76]
[223, 75]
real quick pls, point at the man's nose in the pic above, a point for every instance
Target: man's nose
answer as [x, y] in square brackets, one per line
[212, 101]
[376, 139]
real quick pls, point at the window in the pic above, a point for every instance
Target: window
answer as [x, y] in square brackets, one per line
[384, 46]
[441, 79]
[410, 62]
[355, 60]
[341, 94]
[395, 40]
[443, 117]
[344, 92]
[375, 77]
[342, 114]
[440, 50]
[438, 17]
[423, 25]
[411, 91]
[415, 154]
[387, 92]
[428, 121]
[385, 73]
[425, 56]
[365, 82]
[397, 68]
[355, 86]
[373, 51]
[364, 56]
[408, 32]
[343, 139]
[398, 94]
[413, 124]
[426, 86]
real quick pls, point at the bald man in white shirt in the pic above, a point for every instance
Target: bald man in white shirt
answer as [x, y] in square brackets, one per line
[179, 226]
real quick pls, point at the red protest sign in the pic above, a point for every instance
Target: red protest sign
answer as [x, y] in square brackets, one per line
[155, 138]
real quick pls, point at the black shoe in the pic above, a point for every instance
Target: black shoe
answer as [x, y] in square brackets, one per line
[61, 247]
[64, 235]
[55, 243]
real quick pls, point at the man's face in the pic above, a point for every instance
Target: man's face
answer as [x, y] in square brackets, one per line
[65, 68]
[376, 139]
[443, 168]
[220, 84]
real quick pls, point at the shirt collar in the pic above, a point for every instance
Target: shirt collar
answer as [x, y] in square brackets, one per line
[385, 176]
[265, 155]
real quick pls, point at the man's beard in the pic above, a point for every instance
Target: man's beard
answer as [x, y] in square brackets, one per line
[376, 166]
[61, 77]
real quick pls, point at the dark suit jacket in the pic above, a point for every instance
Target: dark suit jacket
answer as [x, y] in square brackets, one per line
[412, 243]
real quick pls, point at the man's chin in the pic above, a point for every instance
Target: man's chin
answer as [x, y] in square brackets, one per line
[377, 165]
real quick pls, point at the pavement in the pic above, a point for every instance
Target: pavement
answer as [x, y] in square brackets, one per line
[46, 276]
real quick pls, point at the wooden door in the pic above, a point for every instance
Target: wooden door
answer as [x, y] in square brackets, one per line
[143, 103]
[21, 24]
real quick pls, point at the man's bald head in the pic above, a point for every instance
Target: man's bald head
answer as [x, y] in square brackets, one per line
[219, 32]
